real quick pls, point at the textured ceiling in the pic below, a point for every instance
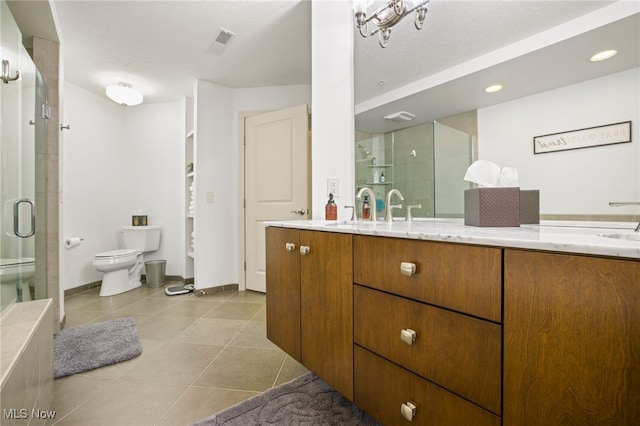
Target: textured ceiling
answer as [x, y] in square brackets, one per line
[162, 46]
[527, 46]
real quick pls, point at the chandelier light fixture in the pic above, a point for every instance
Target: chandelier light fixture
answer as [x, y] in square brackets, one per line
[124, 94]
[387, 15]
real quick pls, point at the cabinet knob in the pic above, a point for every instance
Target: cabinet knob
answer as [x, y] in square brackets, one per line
[408, 336]
[407, 269]
[290, 247]
[304, 250]
[408, 411]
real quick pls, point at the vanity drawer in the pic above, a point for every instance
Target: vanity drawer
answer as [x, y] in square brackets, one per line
[458, 352]
[381, 388]
[459, 277]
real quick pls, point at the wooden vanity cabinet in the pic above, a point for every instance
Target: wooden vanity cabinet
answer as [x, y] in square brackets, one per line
[458, 352]
[382, 387]
[283, 289]
[451, 369]
[571, 340]
[310, 301]
[460, 277]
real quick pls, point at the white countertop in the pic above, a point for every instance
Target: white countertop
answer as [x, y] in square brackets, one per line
[558, 236]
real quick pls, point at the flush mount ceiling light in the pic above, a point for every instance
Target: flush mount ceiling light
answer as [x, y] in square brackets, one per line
[493, 88]
[124, 94]
[387, 16]
[400, 116]
[605, 54]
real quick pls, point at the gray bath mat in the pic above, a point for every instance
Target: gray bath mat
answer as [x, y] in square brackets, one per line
[92, 346]
[307, 400]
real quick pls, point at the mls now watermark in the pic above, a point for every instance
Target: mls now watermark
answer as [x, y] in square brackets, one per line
[23, 413]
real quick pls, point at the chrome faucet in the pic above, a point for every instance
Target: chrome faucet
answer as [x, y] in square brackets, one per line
[409, 216]
[626, 203]
[388, 216]
[372, 197]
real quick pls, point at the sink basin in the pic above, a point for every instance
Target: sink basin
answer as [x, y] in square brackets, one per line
[629, 236]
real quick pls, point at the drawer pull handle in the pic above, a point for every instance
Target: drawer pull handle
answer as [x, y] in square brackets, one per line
[304, 250]
[408, 411]
[408, 336]
[408, 269]
[290, 246]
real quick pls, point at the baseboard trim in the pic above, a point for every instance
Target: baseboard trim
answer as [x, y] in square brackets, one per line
[218, 289]
[98, 284]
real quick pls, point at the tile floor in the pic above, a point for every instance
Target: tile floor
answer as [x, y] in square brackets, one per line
[200, 355]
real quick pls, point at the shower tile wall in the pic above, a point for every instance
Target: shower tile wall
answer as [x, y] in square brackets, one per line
[46, 56]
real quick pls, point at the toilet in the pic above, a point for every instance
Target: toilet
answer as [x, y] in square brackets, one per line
[15, 279]
[122, 268]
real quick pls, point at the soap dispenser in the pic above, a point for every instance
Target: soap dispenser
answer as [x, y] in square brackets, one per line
[366, 208]
[331, 210]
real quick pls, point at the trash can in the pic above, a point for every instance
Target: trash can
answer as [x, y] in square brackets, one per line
[156, 270]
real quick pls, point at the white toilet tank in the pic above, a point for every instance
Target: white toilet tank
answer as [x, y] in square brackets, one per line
[142, 238]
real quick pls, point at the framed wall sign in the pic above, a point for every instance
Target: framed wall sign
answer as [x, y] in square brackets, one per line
[607, 134]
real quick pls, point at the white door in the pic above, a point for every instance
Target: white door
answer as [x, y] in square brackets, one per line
[277, 180]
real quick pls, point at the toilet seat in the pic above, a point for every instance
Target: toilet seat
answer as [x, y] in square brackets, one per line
[116, 254]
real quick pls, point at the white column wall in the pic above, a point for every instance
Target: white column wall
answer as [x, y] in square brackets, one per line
[215, 222]
[332, 104]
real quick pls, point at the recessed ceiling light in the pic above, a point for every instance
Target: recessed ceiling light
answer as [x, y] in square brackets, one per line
[494, 88]
[605, 54]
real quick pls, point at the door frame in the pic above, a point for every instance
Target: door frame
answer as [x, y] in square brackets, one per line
[242, 254]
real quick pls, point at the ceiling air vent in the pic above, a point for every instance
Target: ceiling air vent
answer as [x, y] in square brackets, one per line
[400, 116]
[221, 41]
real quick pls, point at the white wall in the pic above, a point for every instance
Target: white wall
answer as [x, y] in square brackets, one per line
[216, 145]
[109, 172]
[332, 104]
[570, 182]
[215, 223]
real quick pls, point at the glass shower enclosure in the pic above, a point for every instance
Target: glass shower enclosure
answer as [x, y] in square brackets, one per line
[22, 131]
[426, 163]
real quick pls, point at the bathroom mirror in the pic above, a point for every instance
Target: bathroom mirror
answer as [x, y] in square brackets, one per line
[442, 70]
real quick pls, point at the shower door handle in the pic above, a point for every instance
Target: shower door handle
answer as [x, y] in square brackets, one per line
[16, 218]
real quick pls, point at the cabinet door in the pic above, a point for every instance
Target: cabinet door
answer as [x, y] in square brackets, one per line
[283, 289]
[571, 340]
[326, 276]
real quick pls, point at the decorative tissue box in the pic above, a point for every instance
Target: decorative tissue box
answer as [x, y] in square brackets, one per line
[529, 206]
[499, 207]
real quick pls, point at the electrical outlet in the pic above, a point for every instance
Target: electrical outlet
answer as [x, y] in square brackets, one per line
[333, 187]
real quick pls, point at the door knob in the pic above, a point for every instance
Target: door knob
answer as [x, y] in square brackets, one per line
[301, 212]
[304, 250]
[289, 246]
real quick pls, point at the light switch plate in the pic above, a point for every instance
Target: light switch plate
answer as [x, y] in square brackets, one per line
[209, 197]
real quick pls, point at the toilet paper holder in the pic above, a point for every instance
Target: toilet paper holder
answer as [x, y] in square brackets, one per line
[73, 242]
